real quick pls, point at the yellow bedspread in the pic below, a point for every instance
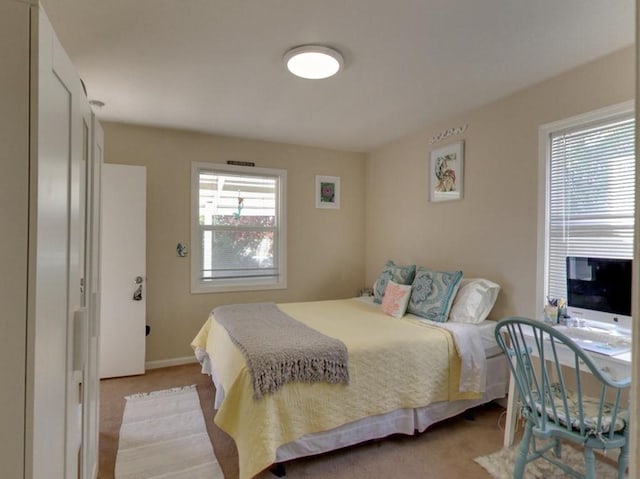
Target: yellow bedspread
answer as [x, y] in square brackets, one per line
[393, 363]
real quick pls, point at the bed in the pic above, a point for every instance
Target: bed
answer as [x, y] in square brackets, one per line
[405, 375]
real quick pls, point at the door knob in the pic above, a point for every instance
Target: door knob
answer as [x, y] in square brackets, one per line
[137, 294]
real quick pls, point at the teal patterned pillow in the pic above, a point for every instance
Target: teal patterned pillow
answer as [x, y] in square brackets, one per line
[394, 272]
[433, 292]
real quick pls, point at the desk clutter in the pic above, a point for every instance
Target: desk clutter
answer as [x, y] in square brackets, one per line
[598, 340]
[555, 311]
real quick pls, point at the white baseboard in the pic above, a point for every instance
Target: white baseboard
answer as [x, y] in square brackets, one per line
[165, 363]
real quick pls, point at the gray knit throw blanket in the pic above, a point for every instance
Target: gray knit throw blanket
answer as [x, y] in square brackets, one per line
[279, 349]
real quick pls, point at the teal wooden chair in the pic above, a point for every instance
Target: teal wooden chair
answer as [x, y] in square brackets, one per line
[552, 400]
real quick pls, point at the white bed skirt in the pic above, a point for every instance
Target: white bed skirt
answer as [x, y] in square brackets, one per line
[400, 421]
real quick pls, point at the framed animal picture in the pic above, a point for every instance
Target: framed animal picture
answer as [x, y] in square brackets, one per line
[446, 172]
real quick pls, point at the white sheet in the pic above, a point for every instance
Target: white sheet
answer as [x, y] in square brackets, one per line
[487, 329]
[473, 363]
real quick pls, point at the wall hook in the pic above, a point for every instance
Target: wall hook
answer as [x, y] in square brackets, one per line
[181, 249]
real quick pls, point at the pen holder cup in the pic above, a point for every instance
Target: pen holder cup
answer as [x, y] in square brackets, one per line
[551, 314]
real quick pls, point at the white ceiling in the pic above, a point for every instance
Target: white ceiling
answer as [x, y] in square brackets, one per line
[216, 65]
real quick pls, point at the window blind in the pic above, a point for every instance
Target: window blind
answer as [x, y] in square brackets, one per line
[590, 196]
[238, 225]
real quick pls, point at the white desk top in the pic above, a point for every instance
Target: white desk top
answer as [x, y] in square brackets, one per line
[623, 358]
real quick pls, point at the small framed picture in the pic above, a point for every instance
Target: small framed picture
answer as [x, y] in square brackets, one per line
[446, 172]
[328, 192]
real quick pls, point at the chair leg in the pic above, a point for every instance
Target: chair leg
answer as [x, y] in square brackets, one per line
[623, 460]
[557, 448]
[523, 452]
[589, 463]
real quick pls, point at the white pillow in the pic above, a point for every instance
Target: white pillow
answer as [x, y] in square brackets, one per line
[474, 300]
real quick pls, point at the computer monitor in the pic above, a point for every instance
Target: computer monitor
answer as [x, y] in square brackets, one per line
[599, 289]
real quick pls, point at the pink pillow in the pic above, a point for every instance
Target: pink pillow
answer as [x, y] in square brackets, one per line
[395, 300]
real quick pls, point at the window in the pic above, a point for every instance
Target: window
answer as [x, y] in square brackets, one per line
[589, 173]
[238, 235]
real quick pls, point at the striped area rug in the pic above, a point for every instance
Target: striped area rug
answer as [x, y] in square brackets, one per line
[163, 435]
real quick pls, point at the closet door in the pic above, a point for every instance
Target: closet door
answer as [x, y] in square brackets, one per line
[57, 294]
[91, 378]
[78, 417]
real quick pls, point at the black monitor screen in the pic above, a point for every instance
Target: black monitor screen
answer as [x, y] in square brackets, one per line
[599, 284]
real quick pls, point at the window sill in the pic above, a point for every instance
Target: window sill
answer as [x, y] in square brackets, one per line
[235, 287]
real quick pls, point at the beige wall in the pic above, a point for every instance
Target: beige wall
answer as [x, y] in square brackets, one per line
[492, 231]
[325, 247]
[14, 219]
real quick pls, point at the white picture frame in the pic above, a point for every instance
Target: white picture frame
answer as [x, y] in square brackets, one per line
[446, 172]
[328, 192]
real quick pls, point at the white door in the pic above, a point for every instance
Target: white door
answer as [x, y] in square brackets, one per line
[122, 305]
[58, 302]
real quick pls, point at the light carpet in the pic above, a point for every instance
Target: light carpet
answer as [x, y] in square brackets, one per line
[163, 435]
[500, 465]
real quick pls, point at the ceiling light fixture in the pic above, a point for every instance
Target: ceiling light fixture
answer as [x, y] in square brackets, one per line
[314, 62]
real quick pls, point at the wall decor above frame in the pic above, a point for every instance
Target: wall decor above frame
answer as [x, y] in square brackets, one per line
[446, 168]
[328, 192]
[444, 134]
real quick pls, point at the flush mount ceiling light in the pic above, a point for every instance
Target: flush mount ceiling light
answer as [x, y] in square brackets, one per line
[314, 62]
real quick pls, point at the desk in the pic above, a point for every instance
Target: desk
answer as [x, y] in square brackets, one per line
[618, 367]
